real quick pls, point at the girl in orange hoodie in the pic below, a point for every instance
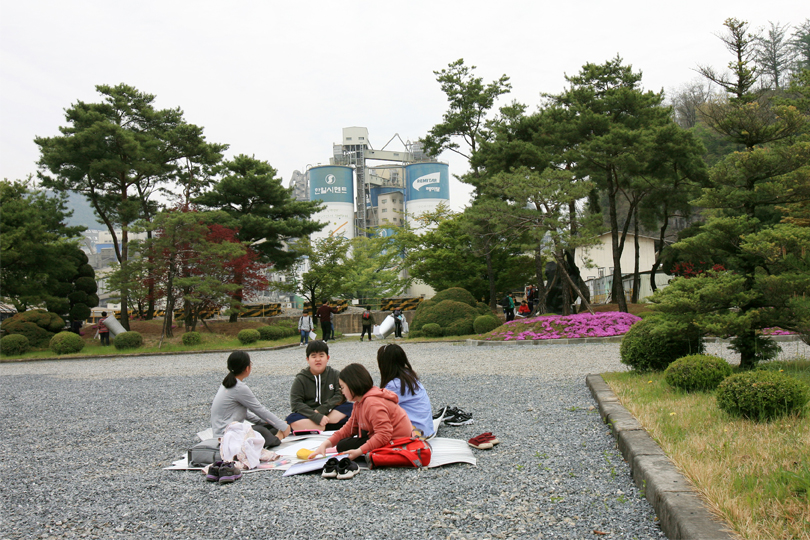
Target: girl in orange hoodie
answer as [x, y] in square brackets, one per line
[376, 419]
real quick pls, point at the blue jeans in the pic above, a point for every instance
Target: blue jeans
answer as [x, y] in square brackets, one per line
[304, 336]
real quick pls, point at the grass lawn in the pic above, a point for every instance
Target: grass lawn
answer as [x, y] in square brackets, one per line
[756, 476]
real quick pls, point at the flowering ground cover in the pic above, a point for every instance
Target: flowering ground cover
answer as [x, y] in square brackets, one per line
[582, 325]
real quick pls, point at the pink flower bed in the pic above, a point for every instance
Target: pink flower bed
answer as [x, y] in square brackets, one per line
[776, 331]
[582, 325]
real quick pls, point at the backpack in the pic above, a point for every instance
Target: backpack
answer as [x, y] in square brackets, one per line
[366, 315]
[404, 452]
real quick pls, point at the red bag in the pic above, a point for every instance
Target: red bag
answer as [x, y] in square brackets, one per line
[404, 452]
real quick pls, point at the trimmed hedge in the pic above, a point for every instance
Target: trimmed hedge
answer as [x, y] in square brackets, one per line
[66, 343]
[272, 333]
[37, 325]
[461, 327]
[697, 372]
[128, 340]
[762, 395]
[432, 330]
[653, 343]
[444, 313]
[192, 338]
[248, 336]
[486, 323]
[14, 344]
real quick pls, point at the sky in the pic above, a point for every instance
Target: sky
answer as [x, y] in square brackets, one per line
[279, 81]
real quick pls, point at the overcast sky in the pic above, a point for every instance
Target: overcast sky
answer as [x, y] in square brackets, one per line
[280, 81]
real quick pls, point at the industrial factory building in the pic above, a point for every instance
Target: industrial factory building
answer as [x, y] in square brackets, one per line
[366, 190]
[363, 188]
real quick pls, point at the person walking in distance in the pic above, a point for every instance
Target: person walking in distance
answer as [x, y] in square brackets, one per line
[324, 314]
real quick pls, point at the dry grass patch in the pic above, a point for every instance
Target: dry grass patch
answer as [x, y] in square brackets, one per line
[755, 476]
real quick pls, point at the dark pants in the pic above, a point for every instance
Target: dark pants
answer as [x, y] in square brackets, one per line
[269, 433]
[326, 328]
[105, 338]
[352, 443]
[397, 328]
[366, 328]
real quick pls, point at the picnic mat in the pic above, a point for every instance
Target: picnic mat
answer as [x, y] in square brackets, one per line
[443, 452]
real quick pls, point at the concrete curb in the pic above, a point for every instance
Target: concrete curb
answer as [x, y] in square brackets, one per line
[678, 506]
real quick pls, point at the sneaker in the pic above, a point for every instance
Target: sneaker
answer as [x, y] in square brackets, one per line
[213, 472]
[228, 472]
[490, 438]
[347, 469]
[461, 418]
[330, 468]
[481, 442]
[442, 412]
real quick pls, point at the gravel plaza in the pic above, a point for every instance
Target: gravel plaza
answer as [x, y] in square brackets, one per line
[85, 442]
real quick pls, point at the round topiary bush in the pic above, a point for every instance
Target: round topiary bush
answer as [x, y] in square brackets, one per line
[461, 327]
[654, 343]
[432, 330]
[66, 343]
[762, 395]
[486, 323]
[80, 312]
[444, 313]
[248, 336]
[192, 338]
[272, 333]
[128, 340]
[37, 325]
[697, 372]
[14, 344]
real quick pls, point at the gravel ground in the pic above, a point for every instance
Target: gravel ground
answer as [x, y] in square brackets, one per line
[84, 442]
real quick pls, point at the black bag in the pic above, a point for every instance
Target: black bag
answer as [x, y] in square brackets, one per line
[203, 453]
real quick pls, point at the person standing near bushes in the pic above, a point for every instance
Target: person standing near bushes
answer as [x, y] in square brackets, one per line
[103, 331]
[325, 316]
[305, 326]
[367, 318]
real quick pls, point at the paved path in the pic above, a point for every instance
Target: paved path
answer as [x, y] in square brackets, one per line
[83, 443]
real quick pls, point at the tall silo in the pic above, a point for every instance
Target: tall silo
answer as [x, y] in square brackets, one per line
[427, 184]
[333, 184]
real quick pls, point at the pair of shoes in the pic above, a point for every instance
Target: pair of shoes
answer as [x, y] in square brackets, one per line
[441, 412]
[457, 417]
[342, 470]
[485, 441]
[223, 472]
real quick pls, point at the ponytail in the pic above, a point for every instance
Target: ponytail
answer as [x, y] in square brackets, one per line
[238, 362]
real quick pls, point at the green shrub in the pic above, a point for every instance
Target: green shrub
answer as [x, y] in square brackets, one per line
[37, 325]
[78, 297]
[128, 340]
[80, 312]
[293, 330]
[248, 336]
[444, 313]
[85, 270]
[287, 323]
[461, 327]
[653, 343]
[415, 333]
[37, 336]
[432, 330]
[271, 333]
[483, 309]
[762, 395]
[66, 343]
[697, 372]
[486, 323]
[192, 338]
[86, 284]
[14, 344]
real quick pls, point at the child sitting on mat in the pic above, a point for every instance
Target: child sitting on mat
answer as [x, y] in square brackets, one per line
[375, 421]
[397, 375]
[315, 397]
[235, 402]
